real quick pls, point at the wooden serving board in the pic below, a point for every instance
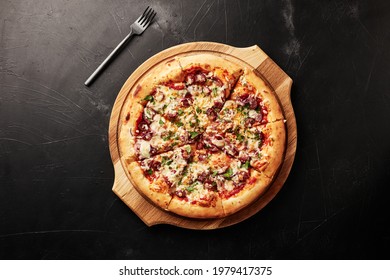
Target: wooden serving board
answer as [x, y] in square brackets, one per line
[252, 58]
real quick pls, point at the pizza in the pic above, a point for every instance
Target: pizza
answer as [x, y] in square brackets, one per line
[201, 137]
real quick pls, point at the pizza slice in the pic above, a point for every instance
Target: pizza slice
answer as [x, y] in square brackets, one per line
[208, 84]
[174, 103]
[158, 176]
[196, 194]
[215, 185]
[145, 133]
[261, 144]
[256, 100]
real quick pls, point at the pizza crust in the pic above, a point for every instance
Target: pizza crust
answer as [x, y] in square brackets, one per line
[209, 62]
[272, 150]
[128, 124]
[181, 207]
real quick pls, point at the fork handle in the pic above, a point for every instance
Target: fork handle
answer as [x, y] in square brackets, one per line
[108, 59]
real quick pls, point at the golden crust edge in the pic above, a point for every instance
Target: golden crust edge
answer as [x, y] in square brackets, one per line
[275, 151]
[126, 138]
[183, 208]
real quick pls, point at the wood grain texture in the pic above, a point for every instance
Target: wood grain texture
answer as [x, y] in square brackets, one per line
[253, 58]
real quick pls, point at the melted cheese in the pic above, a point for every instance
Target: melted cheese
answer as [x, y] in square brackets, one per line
[252, 114]
[144, 149]
[199, 193]
[155, 126]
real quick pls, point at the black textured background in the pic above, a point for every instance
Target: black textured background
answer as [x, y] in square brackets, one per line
[55, 169]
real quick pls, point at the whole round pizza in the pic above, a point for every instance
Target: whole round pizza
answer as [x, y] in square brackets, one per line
[201, 136]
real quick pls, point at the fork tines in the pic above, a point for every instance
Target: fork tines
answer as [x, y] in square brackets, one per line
[147, 17]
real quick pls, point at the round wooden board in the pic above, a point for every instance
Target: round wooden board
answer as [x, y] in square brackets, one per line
[252, 58]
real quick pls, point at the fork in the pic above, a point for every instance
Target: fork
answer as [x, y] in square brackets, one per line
[137, 28]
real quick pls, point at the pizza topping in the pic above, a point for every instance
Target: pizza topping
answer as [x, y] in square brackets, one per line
[242, 176]
[232, 150]
[202, 176]
[206, 90]
[149, 98]
[228, 174]
[217, 81]
[177, 86]
[212, 115]
[186, 153]
[190, 79]
[185, 102]
[144, 149]
[171, 115]
[218, 104]
[159, 96]
[193, 134]
[218, 140]
[200, 78]
[202, 157]
[181, 193]
[249, 122]
[155, 165]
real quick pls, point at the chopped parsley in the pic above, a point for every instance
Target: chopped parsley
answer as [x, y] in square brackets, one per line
[193, 134]
[246, 165]
[188, 149]
[180, 112]
[191, 188]
[168, 136]
[160, 122]
[179, 123]
[149, 98]
[149, 171]
[215, 91]
[215, 173]
[240, 137]
[198, 110]
[229, 173]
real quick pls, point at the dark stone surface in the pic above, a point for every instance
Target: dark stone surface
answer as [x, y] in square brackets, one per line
[55, 169]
